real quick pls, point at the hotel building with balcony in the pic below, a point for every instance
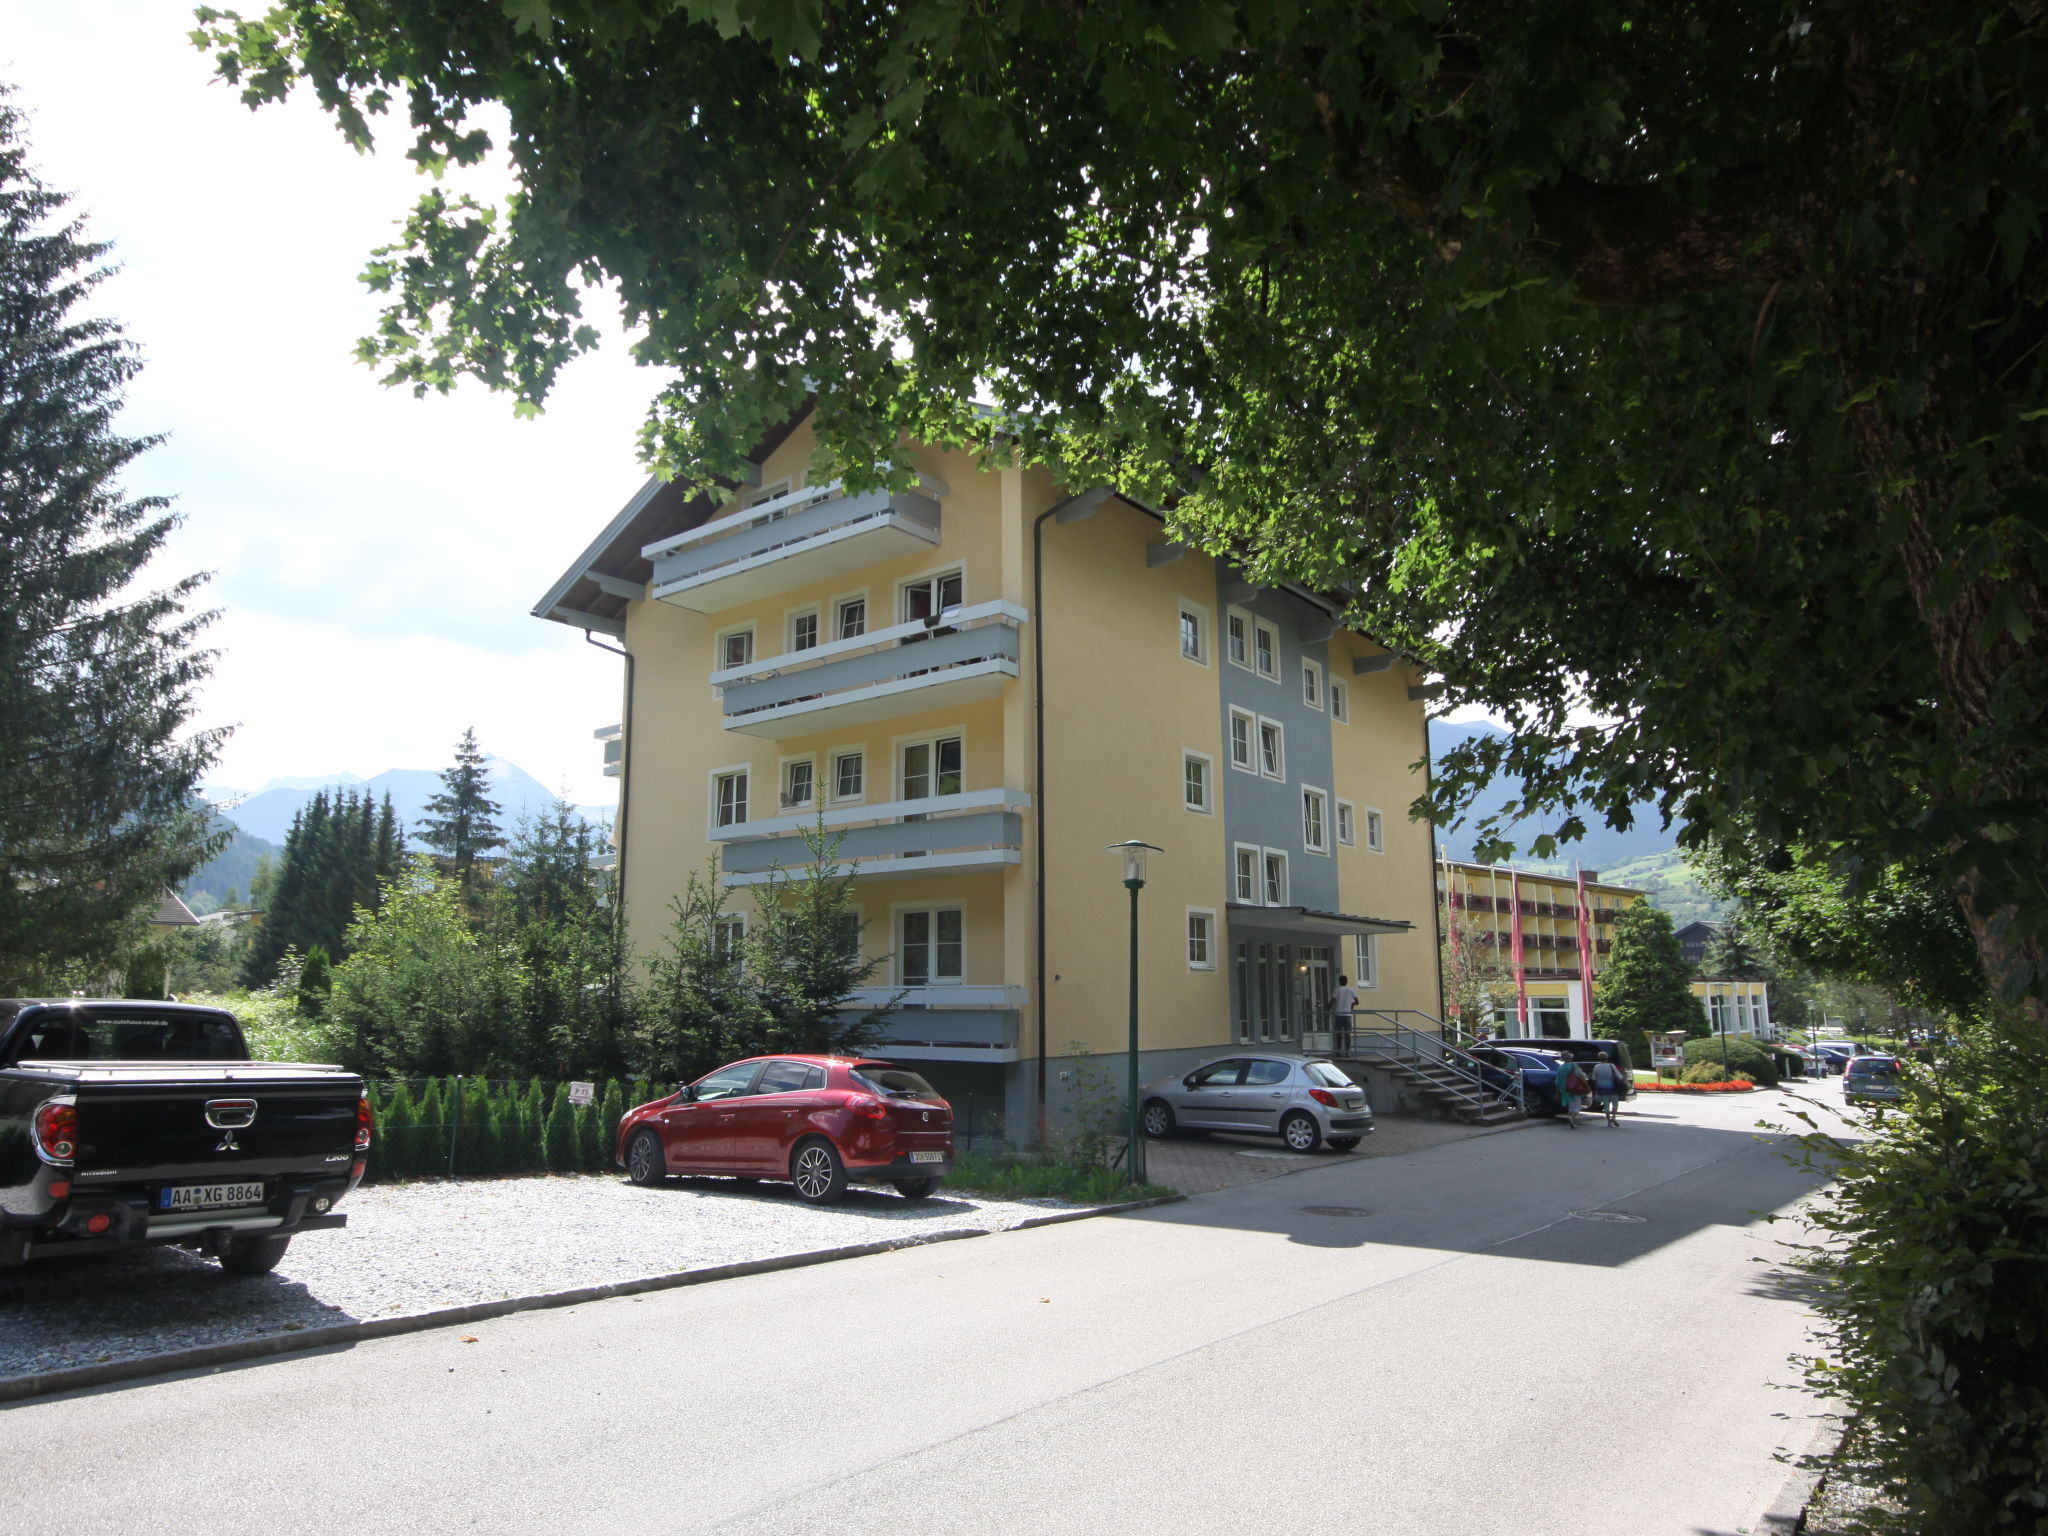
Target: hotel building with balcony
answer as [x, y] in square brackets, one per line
[979, 683]
[1487, 902]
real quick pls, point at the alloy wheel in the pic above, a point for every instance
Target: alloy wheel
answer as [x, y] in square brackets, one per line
[813, 1171]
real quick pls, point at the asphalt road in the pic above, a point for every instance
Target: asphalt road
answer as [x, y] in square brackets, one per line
[1468, 1358]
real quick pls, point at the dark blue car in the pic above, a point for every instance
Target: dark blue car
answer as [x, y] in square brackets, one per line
[1539, 1068]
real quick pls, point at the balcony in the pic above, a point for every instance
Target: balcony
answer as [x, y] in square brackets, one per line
[981, 830]
[956, 1023]
[614, 739]
[815, 534]
[894, 671]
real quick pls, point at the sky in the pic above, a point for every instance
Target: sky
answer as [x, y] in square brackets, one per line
[375, 557]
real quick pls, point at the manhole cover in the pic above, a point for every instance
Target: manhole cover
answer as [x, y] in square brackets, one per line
[1606, 1216]
[1336, 1210]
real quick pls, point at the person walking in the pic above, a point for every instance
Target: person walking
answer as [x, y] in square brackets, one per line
[1343, 1004]
[1572, 1086]
[1607, 1090]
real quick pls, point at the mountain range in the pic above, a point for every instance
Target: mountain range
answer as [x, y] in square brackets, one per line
[267, 813]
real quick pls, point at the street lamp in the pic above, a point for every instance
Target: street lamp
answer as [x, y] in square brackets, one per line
[1134, 855]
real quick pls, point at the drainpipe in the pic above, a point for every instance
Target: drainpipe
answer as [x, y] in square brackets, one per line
[1436, 914]
[625, 767]
[1091, 499]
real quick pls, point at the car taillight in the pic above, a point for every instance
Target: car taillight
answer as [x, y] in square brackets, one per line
[364, 1122]
[1323, 1096]
[873, 1109]
[55, 1131]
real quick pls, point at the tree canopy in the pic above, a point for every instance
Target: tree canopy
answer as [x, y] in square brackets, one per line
[1671, 366]
[98, 768]
[461, 822]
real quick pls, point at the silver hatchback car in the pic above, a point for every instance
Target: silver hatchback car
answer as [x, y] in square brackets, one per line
[1303, 1101]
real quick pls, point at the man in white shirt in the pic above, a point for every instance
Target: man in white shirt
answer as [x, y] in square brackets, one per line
[1343, 1003]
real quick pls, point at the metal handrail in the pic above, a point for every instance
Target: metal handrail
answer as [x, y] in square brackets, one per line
[1396, 1038]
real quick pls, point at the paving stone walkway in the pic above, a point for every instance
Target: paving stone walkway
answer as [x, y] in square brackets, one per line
[1195, 1166]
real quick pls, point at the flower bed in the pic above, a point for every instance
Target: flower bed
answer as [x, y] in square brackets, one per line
[1734, 1085]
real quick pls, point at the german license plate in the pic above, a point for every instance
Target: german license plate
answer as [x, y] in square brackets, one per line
[927, 1157]
[208, 1197]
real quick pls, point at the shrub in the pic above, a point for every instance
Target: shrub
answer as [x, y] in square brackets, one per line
[1703, 1072]
[1744, 1056]
[1934, 1292]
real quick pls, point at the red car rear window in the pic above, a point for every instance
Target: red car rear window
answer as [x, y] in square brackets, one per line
[894, 1083]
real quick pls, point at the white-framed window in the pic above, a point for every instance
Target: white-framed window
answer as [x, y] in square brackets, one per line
[1237, 638]
[729, 935]
[768, 493]
[849, 775]
[850, 617]
[930, 597]
[931, 946]
[1276, 878]
[1340, 701]
[1201, 939]
[933, 767]
[1245, 890]
[1312, 684]
[1265, 650]
[1197, 777]
[1272, 749]
[1315, 821]
[803, 630]
[799, 782]
[736, 648]
[729, 797]
[1244, 730]
[1347, 824]
[1194, 632]
[1365, 973]
[1375, 830]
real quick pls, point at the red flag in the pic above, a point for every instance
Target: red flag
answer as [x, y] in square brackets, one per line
[1515, 951]
[1586, 950]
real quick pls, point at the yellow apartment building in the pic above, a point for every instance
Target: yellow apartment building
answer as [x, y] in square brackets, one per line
[981, 683]
[1736, 1006]
[1486, 902]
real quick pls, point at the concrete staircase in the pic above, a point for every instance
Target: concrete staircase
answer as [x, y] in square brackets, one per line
[1442, 1087]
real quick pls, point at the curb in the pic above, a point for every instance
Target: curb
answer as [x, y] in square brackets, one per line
[1786, 1515]
[214, 1356]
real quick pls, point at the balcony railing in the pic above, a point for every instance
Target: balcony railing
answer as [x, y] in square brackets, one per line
[806, 536]
[979, 830]
[965, 657]
[614, 739]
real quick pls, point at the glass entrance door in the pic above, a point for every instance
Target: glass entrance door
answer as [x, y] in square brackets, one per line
[1314, 985]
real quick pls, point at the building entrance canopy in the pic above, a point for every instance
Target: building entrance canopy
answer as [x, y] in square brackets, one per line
[1309, 923]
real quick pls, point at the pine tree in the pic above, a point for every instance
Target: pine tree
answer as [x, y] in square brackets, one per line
[333, 865]
[461, 822]
[1646, 987]
[97, 673]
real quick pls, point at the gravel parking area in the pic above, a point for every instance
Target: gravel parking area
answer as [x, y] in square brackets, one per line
[417, 1247]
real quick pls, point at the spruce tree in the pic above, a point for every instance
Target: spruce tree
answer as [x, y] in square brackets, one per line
[1646, 987]
[461, 822]
[97, 671]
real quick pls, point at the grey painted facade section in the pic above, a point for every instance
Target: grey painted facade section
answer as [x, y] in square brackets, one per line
[981, 829]
[989, 642]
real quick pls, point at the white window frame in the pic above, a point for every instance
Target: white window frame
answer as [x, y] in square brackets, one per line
[1256, 896]
[1208, 805]
[1251, 740]
[1270, 632]
[867, 614]
[785, 805]
[789, 622]
[1320, 800]
[1266, 892]
[1340, 701]
[1375, 830]
[1203, 643]
[898, 745]
[833, 758]
[735, 921]
[1237, 628]
[1279, 769]
[769, 492]
[923, 578]
[718, 777]
[731, 631]
[1347, 824]
[1365, 969]
[1202, 933]
[1312, 685]
[897, 912]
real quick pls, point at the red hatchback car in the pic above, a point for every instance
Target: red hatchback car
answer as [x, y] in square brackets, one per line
[821, 1122]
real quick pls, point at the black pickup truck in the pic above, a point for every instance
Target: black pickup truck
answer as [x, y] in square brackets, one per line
[139, 1122]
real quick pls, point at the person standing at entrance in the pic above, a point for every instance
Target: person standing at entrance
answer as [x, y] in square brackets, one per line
[1343, 1004]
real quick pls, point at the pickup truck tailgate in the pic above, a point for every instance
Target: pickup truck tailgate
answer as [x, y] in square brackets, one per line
[200, 1120]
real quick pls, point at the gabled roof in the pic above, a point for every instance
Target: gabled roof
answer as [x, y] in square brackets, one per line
[173, 913]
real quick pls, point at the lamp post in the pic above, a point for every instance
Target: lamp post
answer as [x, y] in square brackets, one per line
[1134, 855]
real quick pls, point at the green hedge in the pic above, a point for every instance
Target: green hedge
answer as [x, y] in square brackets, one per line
[472, 1125]
[1744, 1056]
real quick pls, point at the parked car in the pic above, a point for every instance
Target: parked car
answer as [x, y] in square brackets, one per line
[132, 1122]
[1586, 1052]
[1872, 1079]
[821, 1122]
[1303, 1101]
[1539, 1068]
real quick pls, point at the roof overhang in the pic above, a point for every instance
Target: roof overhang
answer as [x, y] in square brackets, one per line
[1309, 921]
